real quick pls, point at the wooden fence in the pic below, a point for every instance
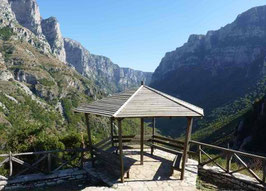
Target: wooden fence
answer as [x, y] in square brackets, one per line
[252, 164]
[42, 162]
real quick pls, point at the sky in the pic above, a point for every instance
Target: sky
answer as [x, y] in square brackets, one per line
[138, 33]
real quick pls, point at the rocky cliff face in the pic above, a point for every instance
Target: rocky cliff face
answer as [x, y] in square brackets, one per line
[27, 14]
[47, 31]
[52, 32]
[213, 69]
[250, 131]
[108, 75]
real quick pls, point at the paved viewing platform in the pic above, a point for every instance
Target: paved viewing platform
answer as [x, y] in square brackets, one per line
[154, 174]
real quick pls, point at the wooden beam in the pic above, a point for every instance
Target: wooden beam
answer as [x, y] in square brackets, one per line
[89, 137]
[121, 149]
[141, 139]
[153, 133]
[112, 131]
[186, 146]
[10, 164]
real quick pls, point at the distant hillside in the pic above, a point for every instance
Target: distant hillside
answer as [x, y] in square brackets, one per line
[38, 90]
[108, 76]
[216, 69]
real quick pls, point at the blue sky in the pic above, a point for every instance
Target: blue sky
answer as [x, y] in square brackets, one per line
[138, 33]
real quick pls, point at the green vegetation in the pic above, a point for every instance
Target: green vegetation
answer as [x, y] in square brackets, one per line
[7, 50]
[218, 127]
[46, 82]
[5, 33]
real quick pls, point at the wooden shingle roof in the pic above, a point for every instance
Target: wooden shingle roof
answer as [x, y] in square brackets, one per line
[143, 102]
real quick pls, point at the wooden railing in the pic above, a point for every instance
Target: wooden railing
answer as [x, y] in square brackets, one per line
[45, 161]
[252, 164]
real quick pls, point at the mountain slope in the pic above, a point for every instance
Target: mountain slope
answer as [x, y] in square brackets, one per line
[109, 76]
[215, 69]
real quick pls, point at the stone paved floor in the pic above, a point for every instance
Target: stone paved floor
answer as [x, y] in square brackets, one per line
[154, 175]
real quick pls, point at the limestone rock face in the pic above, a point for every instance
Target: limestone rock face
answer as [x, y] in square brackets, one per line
[8, 19]
[27, 14]
[109, 75]
[51, 30]
[228, 61]
[6, 75]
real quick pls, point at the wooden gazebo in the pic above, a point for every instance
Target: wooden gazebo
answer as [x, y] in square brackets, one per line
[145, 102]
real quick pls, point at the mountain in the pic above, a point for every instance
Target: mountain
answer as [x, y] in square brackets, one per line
[106, 74]
[215, 69]
[109, 76]
[38, 90]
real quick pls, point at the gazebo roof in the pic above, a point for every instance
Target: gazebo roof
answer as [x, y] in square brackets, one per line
[143, 102]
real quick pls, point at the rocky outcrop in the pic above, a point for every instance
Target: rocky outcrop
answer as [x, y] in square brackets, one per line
[51, 30]
[8, 19]
[249, 134]
[6, 75]
[213, 69]
[108, 75]
[27, 14]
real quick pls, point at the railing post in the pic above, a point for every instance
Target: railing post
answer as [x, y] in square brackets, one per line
[153, 133]
[82, 156]
[199, 155]
[228, 160]
[264, 171]
[10, 164]
[49, 162]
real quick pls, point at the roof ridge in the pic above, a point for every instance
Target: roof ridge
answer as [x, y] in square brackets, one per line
[175, 100]
[124, 104]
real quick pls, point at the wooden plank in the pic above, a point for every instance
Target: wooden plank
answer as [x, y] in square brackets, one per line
[49, 162]
[112, 131]
[199, 154]
[25, 164]
[212, 160]
[10, 164]
[168, 144]
[34, 164]
[168, 139]
[102, 142]
[121, 150]
[153, 133]
[65, 163]
[172, 151]
[4, 161]
[249, 170]
[228, 150]
[141, 139]
[186, 146]
[264, 171]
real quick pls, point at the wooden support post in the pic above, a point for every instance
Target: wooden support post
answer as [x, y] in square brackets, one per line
[10, 164]
[49, 162]
[186, 146]
[121, 149]
[228, 160]
[153, 133]
[112, 131]
[141, 139]
[264, 171]
[89, 137]
[199, 154]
